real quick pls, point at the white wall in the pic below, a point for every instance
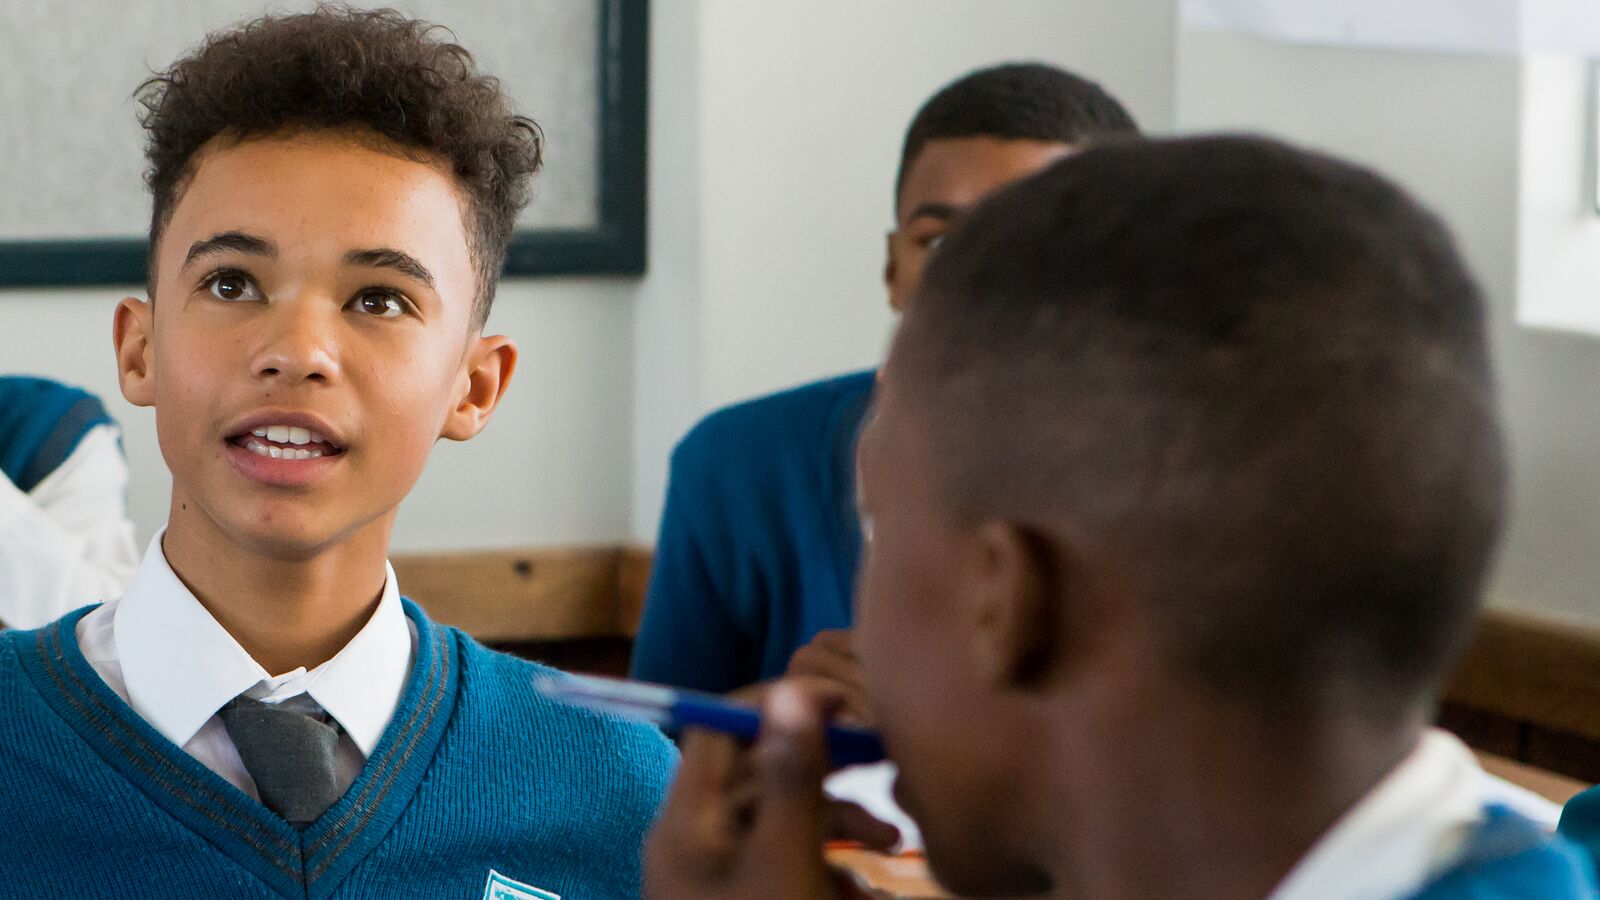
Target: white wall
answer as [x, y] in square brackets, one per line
[552, 467]
[1551, 566]
[1448, 128]
[666, 351]
[796, 114]
[1558, 230]
[804, 107]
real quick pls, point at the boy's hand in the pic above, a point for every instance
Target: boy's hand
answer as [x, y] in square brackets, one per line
[830, 660]
[751, 822]
[826, 665]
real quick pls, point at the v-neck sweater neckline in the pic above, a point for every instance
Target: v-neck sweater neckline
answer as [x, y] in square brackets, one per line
[309, 862]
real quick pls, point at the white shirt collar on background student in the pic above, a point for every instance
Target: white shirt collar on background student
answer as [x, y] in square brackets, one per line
[161, 651]
[1410, 828]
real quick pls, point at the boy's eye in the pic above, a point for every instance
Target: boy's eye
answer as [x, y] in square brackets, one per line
[233, 286]
[382, 304]
[926, 235]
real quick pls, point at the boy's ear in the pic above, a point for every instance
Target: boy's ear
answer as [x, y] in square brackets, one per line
[1018, 621]
[485, 376]
[890, 271]
[132, 327]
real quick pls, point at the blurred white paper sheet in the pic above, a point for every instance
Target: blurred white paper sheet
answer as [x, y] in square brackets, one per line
[1462, 26]
[1561, 26]
[871, 787]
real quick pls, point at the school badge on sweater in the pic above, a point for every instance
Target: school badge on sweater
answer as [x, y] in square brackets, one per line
[500, 887]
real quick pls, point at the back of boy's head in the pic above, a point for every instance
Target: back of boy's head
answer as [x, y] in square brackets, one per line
[1258, 378]
[374, 72]
[1015, 101]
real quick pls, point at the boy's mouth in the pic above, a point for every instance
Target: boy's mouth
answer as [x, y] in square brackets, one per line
[286, 442]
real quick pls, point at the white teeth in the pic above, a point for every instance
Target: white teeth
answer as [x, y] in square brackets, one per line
[260, 449]
[289, 434]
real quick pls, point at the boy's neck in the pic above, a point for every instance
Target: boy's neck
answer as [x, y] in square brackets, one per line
[1189, 809]
[287, 612]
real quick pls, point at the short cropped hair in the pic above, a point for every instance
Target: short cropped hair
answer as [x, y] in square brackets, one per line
[1257, 375]
[338, 67]
[1015, 101]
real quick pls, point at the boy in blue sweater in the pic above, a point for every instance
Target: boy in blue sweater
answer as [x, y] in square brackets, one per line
[1180, 488]
[757, 552]
[262, 714]
[1580, 822]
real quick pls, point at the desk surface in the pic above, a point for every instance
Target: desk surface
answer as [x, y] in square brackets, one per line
[1549, 785]
[897, 877]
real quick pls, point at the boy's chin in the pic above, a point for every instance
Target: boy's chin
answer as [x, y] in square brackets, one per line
[284, 532]
[286, 545]
[967, 873]
[965, 863]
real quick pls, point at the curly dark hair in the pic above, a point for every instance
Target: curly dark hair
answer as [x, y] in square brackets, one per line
[340, 67]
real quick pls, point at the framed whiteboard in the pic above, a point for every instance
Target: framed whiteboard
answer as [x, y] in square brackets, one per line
[74, 209]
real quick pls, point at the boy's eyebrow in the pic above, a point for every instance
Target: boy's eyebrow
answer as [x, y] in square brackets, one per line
[231, 240]
[936, 211]
[389, 258]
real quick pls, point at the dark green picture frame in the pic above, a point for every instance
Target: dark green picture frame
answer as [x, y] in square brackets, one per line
[614, 245]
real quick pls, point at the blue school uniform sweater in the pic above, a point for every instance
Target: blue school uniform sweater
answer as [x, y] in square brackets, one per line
[476, 772]
[1511, 858]
[41, 423]
[759, 538]
[1580, 822]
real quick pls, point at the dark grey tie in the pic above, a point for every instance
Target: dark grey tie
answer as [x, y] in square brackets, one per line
[291, 756]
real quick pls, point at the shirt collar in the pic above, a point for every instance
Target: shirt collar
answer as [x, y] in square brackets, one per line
[180, 665]
[1404, 832]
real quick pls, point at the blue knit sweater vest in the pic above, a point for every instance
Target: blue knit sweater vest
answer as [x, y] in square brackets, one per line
[476, 772]
[759, 538]
[1508, 858]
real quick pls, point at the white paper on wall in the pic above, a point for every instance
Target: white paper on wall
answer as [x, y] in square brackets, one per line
[1561, 26]
[1463, 26]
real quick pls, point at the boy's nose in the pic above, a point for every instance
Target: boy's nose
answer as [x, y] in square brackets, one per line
[300, 346]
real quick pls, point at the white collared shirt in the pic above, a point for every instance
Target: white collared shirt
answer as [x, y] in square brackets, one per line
[1438, 756]
[67, 542]
[1408, 829]
[161, 651]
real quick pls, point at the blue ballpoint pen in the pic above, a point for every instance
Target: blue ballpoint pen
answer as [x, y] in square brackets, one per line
[673, 708]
